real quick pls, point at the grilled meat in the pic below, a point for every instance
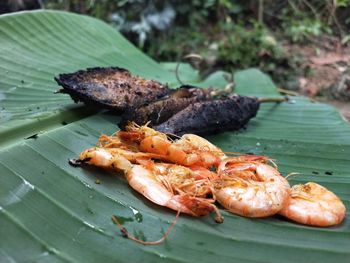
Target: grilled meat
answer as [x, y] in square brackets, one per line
[161, 110]
[212, 116]
[187, 109]
[112, 88]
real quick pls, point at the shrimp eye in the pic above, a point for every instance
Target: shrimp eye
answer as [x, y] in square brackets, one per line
[78, 162]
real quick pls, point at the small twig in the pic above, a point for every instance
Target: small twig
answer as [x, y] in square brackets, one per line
[229, 77]
[294, 7]
[333, 15]
[193, 55]
[312, 8]
[126, 234]
[216, 92]
[261, 12]
[288, 92]
[277, 100]
[222, 92]
[178, 65]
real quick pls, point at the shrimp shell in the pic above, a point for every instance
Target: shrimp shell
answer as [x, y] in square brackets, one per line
[260, 196]
[313, 204]
[174, 186]
[189, 150]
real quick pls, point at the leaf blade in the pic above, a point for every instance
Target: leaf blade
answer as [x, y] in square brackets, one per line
[58, 213]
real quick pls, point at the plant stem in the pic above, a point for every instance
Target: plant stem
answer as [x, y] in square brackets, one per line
[277, 100]
[261, 12]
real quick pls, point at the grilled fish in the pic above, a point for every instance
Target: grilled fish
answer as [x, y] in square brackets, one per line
[187, 109]
[112, 88]
[161, 110]
[212, 116]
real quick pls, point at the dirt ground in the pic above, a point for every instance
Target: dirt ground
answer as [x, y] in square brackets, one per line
[328, 78]
[344, 108]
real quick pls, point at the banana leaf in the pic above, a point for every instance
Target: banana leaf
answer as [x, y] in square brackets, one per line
[53, 212]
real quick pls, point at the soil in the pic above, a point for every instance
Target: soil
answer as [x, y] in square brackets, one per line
[326, 65]
[344, 108]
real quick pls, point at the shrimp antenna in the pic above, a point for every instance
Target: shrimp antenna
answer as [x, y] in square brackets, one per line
[292, 174]
[172, 135]
[233, 153]
[126, 234]
[273, 163]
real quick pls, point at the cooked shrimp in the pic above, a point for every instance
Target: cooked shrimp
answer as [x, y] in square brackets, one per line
[189, 150]
[169, 185]
[312, 204]
[249, 187]
[105, 158]
[165, 187]
[111, 158]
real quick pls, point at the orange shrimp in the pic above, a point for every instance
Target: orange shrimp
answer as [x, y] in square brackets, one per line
[113, 157]
[189, 150]
[312, 204]
[173, 186]
[170, 185]
[249, 187]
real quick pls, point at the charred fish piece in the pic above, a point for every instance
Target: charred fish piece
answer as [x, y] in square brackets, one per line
[112, 88]
[159, 111]
[212, 116]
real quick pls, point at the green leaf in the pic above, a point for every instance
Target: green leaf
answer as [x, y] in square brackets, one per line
[52, 212]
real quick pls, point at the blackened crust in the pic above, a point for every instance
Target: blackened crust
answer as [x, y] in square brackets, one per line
[156, 112]
[214, 116]
[161, 110]
[112, 88]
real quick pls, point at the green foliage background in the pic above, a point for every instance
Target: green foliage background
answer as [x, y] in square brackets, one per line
[230, 35]
[52, 212]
